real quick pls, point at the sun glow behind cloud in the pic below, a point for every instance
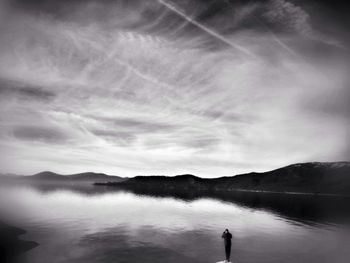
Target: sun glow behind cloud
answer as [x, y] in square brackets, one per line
[126, 94]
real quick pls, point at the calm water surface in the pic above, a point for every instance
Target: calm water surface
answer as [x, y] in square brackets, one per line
[98, 225]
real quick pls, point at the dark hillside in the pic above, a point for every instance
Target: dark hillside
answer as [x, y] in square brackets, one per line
[314, 178]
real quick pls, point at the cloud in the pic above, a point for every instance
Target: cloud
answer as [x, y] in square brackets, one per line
[116, 137]
[41, 134]
[142, 126]
[125, 131]
[140, 89]
[287, 17]
[16, 90]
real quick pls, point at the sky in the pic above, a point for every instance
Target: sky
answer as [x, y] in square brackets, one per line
[141, 87]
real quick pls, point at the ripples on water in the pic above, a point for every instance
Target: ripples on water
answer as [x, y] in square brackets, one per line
[95, 224]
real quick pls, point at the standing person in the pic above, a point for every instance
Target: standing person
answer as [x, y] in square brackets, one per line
[227, 236]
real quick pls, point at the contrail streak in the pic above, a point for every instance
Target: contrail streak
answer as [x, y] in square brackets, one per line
[206, 29]
[276, 38]
[114, 56]
[157, 21]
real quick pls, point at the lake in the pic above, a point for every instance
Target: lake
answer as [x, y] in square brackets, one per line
[93, 224]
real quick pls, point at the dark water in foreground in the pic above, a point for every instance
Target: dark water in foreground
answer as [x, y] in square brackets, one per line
[95, 224]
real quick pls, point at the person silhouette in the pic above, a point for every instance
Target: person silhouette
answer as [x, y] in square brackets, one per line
[227, 236]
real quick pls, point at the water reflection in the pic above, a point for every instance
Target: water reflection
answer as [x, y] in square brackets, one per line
[84, 223]
[308, 209]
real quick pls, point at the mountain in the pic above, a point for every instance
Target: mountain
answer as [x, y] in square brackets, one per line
[79, 177]
[185, 182]
[95, 177]
[8, 176]
[313, 178]
[47, 175]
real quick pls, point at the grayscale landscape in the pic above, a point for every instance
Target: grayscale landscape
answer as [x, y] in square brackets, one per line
[176, 131]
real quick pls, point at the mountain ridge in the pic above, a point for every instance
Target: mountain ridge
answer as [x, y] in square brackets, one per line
[312, 177]
[76, 177]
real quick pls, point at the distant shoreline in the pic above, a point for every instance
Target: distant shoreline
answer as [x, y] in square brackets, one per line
[290, 193]
[314, 178]
[122, 186]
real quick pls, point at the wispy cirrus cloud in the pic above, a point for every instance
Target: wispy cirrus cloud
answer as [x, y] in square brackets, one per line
[34, 133]
[137, 87]
[21, 91]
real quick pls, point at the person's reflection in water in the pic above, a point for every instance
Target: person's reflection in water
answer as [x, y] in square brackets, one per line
[227, 236]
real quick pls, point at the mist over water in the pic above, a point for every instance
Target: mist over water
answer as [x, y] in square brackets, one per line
[94, 224]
